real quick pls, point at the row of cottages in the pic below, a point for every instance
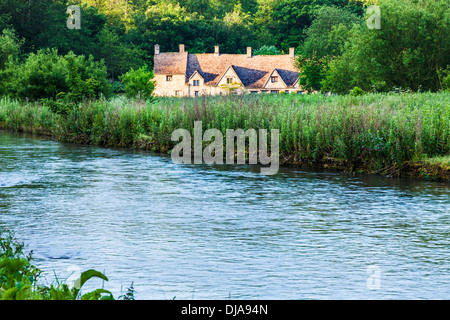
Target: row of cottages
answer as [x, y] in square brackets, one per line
[185, 74]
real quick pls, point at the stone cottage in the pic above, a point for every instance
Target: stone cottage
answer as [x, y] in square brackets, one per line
[185, 74]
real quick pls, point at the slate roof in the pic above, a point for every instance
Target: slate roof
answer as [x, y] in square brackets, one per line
[253, 72]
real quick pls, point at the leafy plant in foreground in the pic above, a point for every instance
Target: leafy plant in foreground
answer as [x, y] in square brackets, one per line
[19, 278]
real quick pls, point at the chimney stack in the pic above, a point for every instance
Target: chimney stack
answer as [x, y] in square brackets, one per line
[181, 47]
[216, 50]
[291, 52]
[249, 52]
[156, 49]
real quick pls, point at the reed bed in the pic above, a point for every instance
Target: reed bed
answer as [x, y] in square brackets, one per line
[370, 132]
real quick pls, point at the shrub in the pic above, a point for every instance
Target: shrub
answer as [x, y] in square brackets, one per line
[42, 75]
[356, 91]
[86, 79]
[138, 83]
[48, 75]
[444, 77]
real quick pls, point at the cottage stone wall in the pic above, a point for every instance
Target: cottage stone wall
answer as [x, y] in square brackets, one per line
[168, 88]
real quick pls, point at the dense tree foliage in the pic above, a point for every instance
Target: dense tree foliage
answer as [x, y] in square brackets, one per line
[408, 51]
[47, 74]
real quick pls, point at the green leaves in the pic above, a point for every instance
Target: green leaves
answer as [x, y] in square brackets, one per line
[48, 75]
[98, 294]
[138, 83]
[18, 277]
[408, 51]
[85, 276]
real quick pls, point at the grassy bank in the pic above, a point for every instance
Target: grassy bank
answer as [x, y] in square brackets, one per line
[376, 133]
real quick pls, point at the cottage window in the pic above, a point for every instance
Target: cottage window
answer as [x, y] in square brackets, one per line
[196, 83]
[196, 93]
[274, 79]
[274, 91]
[229, 80]
[168, 78]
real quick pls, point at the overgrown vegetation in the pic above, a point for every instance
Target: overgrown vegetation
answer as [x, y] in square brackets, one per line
[369, 132]
[19, 278]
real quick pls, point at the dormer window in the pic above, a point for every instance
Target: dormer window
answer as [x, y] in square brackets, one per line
[274, 79]
[169, 78]
[196, 83]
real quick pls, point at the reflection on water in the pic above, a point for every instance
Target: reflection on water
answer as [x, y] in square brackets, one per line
[218, 232]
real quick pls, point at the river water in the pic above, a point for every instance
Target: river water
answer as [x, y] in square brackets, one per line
[222, 232]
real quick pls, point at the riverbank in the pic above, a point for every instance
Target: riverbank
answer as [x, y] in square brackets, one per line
[406, 135]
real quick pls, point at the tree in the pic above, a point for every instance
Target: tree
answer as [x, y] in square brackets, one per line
[119, 55]
[290, 18]
[312, 71]
[49, 75]
[9, 47]
[325, 39]
[42, 75]
[408, 51]
[329, 31]
[267, 50]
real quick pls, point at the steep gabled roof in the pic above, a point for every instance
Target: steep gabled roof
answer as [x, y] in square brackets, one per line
[196, 72]
[277, 73]
[296, 81]
[232, 68]
[253, 72]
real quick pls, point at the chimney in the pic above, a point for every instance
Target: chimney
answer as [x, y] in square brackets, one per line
[156, 49]
[249, 52]
[181, 47]
[216, 50]
[291, 52]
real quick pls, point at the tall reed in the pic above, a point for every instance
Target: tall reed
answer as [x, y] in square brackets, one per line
[373, 131]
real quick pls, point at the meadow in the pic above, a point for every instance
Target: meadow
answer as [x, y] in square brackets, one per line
[390, 134]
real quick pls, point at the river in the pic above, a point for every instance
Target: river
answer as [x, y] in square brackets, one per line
[222, 232]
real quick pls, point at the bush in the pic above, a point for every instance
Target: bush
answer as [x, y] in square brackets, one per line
[356, 91]
[87, 79]
[42, 75]
[138, 83]
[48, 75]
[444, 77]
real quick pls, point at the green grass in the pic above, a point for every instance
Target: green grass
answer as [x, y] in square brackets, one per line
[372, 132]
